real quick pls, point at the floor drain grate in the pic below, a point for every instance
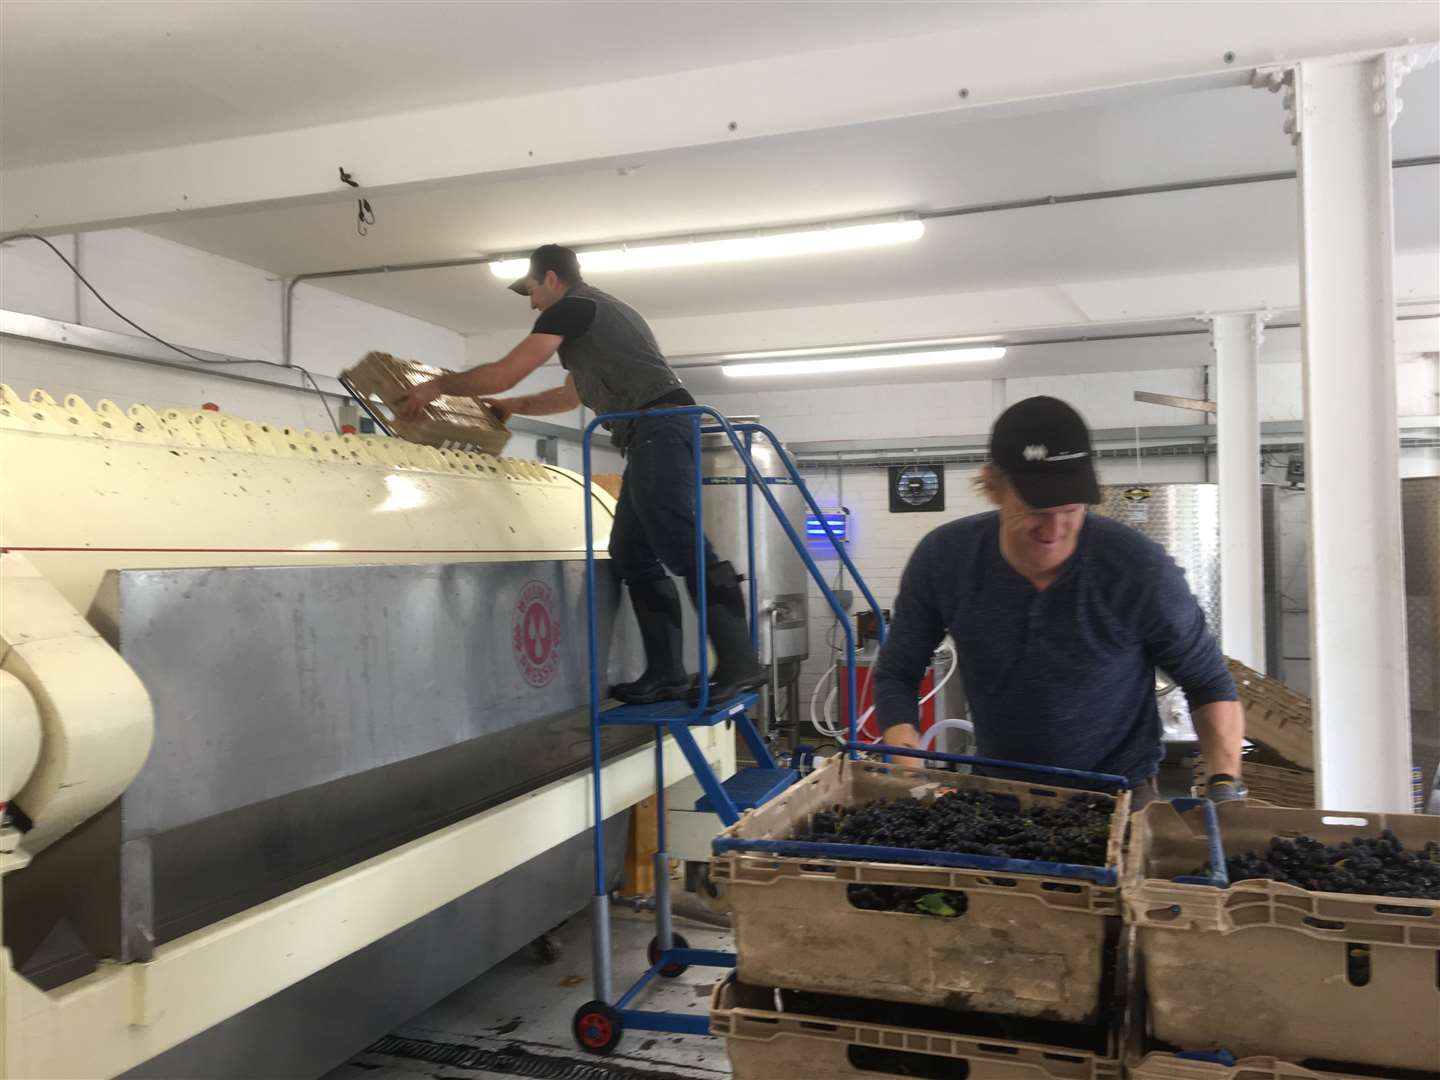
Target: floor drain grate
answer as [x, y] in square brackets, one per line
[513, 1060]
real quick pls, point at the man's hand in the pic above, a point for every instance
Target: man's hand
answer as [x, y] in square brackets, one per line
[1222, 787]
[904, 735]
[412, 403]
[503, 408]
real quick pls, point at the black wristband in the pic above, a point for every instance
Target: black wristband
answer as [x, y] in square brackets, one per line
[1221, 776]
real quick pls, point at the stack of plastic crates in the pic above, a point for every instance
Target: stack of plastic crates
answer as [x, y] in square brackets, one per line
[1014, 973]
[1266, 980]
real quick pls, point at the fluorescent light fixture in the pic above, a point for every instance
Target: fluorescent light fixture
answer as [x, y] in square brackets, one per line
[743, 247]
[915, 344]
[831, 365]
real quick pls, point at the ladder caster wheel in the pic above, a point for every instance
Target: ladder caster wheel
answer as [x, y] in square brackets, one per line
[669, 971]
[597, 1027]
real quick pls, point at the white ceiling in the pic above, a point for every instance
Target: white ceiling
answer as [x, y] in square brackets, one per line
[1158, 345]
[82, 79]
[917, 164]
[112, 77]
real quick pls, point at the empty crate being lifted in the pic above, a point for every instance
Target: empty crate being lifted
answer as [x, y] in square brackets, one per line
[1022, 937]
[1262, 967]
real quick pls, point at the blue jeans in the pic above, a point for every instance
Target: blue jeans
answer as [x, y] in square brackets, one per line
[654, 526]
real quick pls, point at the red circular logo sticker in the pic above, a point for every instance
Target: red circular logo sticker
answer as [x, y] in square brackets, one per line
[536, 633]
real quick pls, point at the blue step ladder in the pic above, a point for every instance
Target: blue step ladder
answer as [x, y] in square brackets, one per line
[599, 1023]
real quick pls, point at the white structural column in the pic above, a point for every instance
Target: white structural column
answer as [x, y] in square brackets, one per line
[1343, 109]
[1236, 340]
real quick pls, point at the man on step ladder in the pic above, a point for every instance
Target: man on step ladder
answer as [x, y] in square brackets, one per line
[614, 365]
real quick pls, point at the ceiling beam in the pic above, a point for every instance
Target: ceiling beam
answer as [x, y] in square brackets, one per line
[1088, 50]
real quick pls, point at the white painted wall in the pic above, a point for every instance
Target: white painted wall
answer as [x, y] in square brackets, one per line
[197, 301]
[202, 301]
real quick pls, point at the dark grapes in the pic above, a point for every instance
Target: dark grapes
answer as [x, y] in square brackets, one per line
[975, 823]
[1374, 866]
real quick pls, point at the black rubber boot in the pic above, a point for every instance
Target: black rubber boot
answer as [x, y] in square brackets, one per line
[657, 609]
[736, 667]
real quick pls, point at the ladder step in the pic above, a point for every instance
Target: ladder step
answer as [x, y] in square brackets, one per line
[678, 712]
[750, 788]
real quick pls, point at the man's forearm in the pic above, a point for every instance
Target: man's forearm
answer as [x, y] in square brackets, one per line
[483, 381]
[1221, 729]
[557, 399]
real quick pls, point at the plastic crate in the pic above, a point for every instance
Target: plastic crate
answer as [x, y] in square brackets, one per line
[1273, 785]
[1264, 968]
[1276, 716]
[765, 1043]
[1159, 1066]
[447, 422]
[1027, 944]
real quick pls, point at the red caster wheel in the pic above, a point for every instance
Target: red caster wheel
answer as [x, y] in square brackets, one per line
[669, 971]
[597, 1027]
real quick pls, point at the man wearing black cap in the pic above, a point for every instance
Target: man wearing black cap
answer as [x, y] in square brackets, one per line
[1059, 618]
[614, 365]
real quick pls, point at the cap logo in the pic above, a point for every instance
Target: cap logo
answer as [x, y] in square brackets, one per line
[1042, 453]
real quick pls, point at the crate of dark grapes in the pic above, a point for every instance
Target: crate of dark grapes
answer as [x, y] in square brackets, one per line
[1318, 939]
[934, 888]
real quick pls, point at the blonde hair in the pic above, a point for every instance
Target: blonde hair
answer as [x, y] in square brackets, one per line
[991, 482]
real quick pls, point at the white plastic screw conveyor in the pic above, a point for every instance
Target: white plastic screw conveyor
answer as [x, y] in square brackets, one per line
[284, 717]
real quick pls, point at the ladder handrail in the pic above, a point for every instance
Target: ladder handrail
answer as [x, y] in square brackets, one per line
[835, 541]
[754, 480]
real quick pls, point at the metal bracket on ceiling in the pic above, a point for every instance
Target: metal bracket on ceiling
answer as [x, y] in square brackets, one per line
[1397, 64]
[1259, 318]
[1276, 80]
[1257, 326]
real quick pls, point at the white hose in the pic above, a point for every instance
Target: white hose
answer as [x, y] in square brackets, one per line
[928, 739]
[821, 717]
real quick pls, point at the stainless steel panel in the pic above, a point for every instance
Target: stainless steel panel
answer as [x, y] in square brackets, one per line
[1184, 519]
[779, 572]
[267, 680]
[1270, 573]
[1287, 536]
[1420, 503]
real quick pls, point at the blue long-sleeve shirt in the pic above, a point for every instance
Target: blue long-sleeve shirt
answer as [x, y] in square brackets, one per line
[1060, 677]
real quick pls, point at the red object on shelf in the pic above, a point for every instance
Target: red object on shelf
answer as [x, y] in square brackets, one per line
[210, 406]
[869, 732]
[347, 429]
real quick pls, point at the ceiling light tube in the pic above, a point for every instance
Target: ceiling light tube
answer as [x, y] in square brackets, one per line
[896, 347]
[736, 247]
[831, 365]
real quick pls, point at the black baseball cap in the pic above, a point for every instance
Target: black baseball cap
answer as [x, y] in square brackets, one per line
[545, 258]
[1043, 446]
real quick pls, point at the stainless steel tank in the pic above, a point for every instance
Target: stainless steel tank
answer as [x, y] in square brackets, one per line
[1184, 519]
[1287, 602]
[783, 585]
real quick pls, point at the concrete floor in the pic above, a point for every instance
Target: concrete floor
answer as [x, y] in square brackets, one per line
[515, 1019]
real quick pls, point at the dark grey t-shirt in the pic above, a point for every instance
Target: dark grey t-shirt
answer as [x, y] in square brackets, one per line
[1060, 677]
[610, 351]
